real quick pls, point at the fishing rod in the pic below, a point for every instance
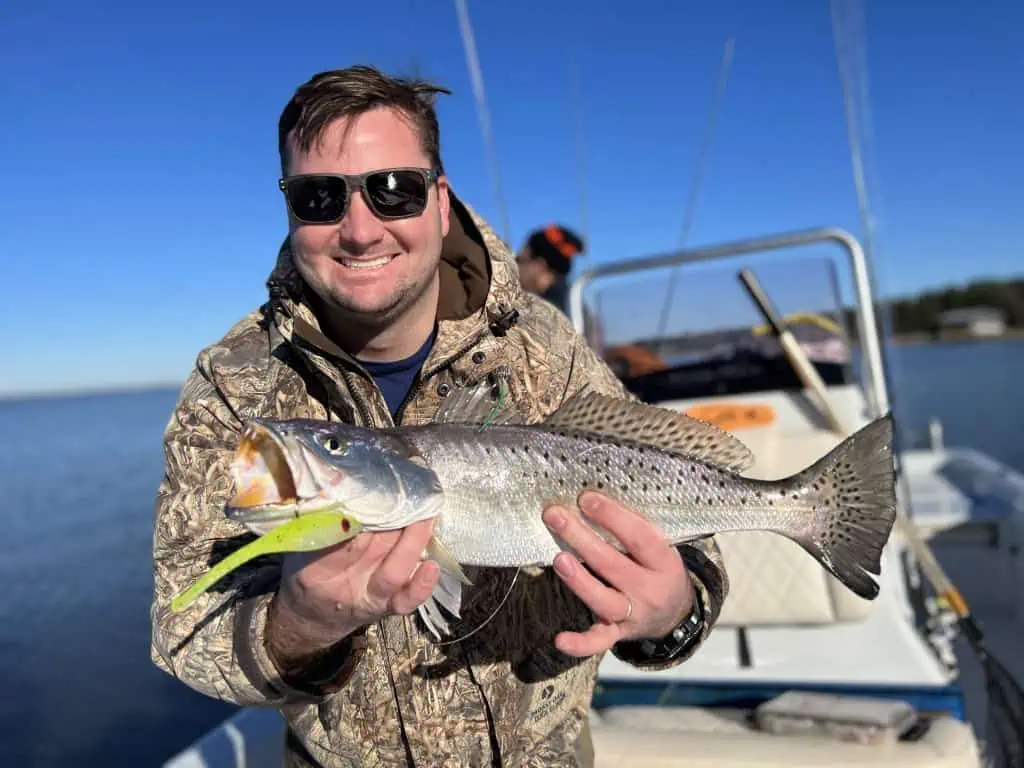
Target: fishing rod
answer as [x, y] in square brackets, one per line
[477, 79]
[698, 177]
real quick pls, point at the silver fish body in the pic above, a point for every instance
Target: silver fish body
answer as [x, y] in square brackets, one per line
[488, 485]
[496, 483]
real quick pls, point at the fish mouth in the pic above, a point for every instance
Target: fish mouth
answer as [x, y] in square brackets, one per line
[265, 480]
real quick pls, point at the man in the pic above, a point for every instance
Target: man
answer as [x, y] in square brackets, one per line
[389, 292]
[545, 260]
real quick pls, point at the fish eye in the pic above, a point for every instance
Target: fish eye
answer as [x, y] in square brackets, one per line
[332, 444]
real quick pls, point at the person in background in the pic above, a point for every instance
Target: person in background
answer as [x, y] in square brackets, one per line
[545, 260]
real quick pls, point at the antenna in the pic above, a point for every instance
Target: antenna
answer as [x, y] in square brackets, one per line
[852, 99]
[691, 204]
[581, 152]
[477, 78]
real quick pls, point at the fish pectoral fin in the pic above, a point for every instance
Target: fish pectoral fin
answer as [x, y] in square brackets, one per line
[672, 431]
[432, 618]
[448, 592]
[437, 552]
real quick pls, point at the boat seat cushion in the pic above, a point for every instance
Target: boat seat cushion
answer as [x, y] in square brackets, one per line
[653, 737]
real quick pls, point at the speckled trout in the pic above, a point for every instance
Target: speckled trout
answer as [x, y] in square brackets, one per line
[487, 484]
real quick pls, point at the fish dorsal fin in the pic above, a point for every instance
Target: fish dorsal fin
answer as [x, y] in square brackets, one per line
[660, 427]
[484, 402]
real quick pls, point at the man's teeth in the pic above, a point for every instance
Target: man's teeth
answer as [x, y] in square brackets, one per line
[366, 263]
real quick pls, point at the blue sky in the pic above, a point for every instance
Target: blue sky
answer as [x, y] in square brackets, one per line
[138, 146]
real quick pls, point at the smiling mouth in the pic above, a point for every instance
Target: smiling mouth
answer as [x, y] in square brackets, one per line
[264, 483]
[376, 263]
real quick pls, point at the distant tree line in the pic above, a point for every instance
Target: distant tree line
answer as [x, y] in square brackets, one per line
[920, 314]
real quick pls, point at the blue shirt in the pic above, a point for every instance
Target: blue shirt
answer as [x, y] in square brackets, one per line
[395, 378]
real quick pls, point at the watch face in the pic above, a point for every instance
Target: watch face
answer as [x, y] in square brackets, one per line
[692, 625]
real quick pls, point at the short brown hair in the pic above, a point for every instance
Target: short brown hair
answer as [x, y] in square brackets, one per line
[327, 96]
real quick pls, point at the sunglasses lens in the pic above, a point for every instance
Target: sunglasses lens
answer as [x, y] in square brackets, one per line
[397, 194]
[317, 199]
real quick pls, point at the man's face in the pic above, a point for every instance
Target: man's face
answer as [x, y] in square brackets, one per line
[363, 267]
[534, 274]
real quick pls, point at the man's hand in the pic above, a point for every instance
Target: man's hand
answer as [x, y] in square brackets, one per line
[329, 594]
[648, 591]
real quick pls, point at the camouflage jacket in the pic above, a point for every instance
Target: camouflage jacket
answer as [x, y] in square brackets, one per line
[503, 696]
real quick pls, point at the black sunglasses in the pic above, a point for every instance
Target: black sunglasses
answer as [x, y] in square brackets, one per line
[391, 193]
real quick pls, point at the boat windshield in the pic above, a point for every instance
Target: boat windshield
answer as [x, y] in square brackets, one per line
[713, 340]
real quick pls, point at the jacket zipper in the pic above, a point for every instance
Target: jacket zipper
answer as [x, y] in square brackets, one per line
[422, 377]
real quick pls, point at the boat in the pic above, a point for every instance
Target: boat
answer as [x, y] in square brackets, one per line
[789, 635]
[789, 632]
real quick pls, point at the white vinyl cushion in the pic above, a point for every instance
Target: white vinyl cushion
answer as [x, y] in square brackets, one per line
[656, 737]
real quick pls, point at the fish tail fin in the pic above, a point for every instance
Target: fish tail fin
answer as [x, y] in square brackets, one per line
[852, 490]
[447, 593]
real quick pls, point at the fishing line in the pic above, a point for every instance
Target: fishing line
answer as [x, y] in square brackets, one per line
[490, 618]
[698, 178]
[502, 389]
[500, 400]
[477, 78]
[497, 406]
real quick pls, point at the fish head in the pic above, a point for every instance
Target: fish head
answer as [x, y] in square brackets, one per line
[286, 468]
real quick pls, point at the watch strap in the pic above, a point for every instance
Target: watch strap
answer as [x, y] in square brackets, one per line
[673, 645]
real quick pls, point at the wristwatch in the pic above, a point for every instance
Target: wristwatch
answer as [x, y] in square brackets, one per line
[671, 646]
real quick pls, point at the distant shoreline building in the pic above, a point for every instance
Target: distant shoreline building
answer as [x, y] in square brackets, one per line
[976, 322]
